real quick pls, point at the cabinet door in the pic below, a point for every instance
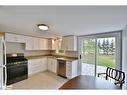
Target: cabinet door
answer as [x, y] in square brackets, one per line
[69, 43]
[74, 68]
[20, 38]
[33, 43]
[54, 65]
[30, 67]
[29, 43]
[11, 37]
[64, 43]
[43, 44]
[37, 65]
[53, 44]
[36, 43]
[69, 70]
[49, 64]
[44, 64]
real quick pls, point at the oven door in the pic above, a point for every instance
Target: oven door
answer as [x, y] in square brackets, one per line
[16, 72]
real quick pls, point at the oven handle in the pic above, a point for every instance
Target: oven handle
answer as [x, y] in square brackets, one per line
[16, 65]
[4, 49]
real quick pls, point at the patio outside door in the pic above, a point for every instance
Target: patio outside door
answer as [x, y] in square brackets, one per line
[97, 52]
[88, 56]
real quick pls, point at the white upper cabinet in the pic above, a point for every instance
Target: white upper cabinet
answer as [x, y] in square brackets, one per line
[54, 45]
[14, 38]
[31, 43]
[36, 43]
[69, 43]
[43, 44]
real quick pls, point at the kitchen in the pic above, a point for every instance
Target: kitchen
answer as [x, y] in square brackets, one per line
[42, 55]
[53, 47]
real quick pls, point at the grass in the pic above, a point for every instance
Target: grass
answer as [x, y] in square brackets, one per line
[102, 60]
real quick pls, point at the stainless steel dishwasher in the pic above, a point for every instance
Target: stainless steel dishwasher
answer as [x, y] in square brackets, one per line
[61, 70]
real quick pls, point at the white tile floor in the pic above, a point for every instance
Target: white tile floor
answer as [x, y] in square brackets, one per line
[43, 80]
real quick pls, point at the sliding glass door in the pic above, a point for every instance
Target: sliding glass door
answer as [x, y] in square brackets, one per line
[97, 52]
[88, 56]
[105, 55]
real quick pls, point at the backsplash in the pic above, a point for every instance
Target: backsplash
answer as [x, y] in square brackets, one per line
[20, 48]
[66, 53]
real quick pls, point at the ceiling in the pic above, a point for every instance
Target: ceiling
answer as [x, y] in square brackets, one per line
[62, 20]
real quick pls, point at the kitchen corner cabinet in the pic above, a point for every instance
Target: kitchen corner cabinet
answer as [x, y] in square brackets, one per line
[36, 66]
[71, 69]
[52, 64]
[56, 44]
[69, 43]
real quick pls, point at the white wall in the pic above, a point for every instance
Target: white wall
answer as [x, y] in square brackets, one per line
[124, 55]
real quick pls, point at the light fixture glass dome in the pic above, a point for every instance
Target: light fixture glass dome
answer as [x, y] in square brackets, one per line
[43, 26]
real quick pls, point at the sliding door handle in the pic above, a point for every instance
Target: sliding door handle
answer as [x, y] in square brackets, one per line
[80, 57]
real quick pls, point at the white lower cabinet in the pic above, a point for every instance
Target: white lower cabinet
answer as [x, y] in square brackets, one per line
[37, 65]
[71, 69]
[52, 64]
[49, 61]
[44, 64]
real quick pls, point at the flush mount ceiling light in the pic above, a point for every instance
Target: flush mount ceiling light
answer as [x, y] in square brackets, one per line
[43, 26]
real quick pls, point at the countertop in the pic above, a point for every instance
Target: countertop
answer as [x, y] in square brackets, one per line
[67, 58]
[35, 56]
[59, 57]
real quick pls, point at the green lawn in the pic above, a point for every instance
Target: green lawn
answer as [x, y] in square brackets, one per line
[102, 60]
